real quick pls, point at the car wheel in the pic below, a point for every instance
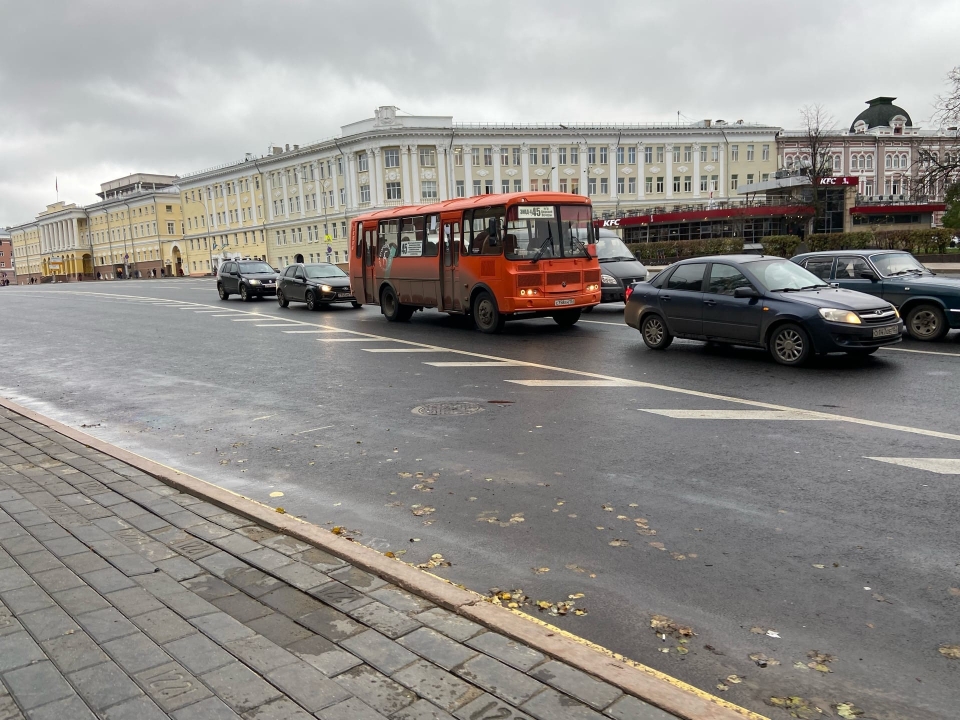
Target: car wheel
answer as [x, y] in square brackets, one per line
[655, 333]
[356, 305]
[862, 352]
[926, 322]
[486, 314]
[244, 293]
[224, 295]
[391, 308]
[311, 300]
[567, 318]
[281, 299]
[790, 345]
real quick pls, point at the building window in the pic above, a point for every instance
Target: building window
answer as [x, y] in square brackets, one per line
[632, 186]
[660, 184]
[735, 153]
[504, 186]
[391, 158]
[676, 153]
[562, 186]
[504, 156]
[620, 156]
[545, 156]
[687, 184]
[460, 189]
[604, 186]
[765, 177]
[632, 156]
[715, 153]
[764, 152]
[458, 157]
[703, 183]
[676, 183]
[592, 186]
[516, 156]
[545, 185]
[364, 193]
[488, 156]
[562, 156]
[362, 164]
[714, 182]
[648, 155]
[170, 229]
[749, 178]
[619, 186]
[475, 156]
[648, 185]
[393, 191]
[534, 154]
[574, 156]
[518, 185]
[534, 185]
[687, 153]
[703, 153]
[488, 187]
[749, 153]
[428, 157]
[476, 187]
[889, 162]
[734, 182]
[591, 156]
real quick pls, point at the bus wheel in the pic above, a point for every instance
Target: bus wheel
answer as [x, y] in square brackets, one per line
[486, 315]
[391, 308]
[567, 318]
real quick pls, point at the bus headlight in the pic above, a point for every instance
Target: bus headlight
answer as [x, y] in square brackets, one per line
[529, 291]
[593, 287]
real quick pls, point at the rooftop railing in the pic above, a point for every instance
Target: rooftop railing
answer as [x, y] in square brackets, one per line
[605, 126]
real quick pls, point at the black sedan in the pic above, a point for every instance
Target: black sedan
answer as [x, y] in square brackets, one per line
[315, 284]
[618, 268]
[929, 303]
[759, 301]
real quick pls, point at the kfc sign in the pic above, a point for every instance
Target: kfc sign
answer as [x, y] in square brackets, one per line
[838, 181]
[611, 223]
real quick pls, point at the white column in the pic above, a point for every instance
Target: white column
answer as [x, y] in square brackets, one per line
[59, 228]
[405, 172]
[612, 165]
[496, 169]
[467, 171]
[415, 173]
[525, 166]
[352, 182]
[442, 173]
[641, 172]
[722, 190]
[696, 170]
[286, 197]
[376, 191]
[303, 204]
[336, 190]
[75, 231]
[555, 164]
[583, 169]
[669, 178]
[43, 238]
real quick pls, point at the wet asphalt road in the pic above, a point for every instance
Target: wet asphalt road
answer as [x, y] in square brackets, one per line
[735, 515]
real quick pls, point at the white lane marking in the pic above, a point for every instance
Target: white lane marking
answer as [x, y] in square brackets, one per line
[603, 322]
[405, 350]
[355, 339]
[479, 363]
[280, 324]
[921, 352]
[258, 318]
[232, 313]
[575, 383]
[206, 311]
[264, 417]
[737, 414]
[942, 466]
[304, 432]
[301, 332]
[598, 376]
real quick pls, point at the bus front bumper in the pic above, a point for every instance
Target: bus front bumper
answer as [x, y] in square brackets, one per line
[551, 303]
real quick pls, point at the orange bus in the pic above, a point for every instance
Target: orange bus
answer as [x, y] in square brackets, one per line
[493, 257]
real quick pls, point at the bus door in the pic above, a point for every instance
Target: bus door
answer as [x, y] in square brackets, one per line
[369, 265]
[450, 270]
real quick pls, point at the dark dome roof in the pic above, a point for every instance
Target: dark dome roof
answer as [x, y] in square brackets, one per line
[880, 113]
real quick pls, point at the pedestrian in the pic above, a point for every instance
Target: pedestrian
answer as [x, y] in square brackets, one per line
[99, 276]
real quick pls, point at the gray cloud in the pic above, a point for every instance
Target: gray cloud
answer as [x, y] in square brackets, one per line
[92, 89]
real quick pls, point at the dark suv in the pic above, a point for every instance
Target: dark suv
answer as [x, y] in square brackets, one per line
[247, 278]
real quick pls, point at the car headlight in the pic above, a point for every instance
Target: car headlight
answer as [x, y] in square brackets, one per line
[896, 312]
[326, 288]
[840, 316]
[608, 280]
[254, 282]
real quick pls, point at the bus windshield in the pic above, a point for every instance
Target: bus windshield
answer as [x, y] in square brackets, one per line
[547, 231]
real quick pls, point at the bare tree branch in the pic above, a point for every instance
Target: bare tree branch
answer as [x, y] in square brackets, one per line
[818, 126]
[936, 170]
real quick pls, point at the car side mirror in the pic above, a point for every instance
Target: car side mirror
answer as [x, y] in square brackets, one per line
[867, 275]
[745, 292]
[591, 250]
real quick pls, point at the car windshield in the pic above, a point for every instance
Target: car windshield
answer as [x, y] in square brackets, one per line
[612, 248]
[255, 267]
[783, 275]
[323, 270]
[547, 231]
[897, 264]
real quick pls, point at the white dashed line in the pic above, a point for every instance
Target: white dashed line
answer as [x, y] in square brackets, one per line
[405, 350]
[304, 432]
[738, 414]
[574, 383]
[942, 466]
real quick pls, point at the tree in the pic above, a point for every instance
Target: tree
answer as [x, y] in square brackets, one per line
[951, 218]
[933, 168]
[818, 127]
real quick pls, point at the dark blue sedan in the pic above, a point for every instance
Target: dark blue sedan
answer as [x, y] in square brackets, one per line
[929, 303]
[759, 301]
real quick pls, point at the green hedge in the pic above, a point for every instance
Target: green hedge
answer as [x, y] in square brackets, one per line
[919, 242]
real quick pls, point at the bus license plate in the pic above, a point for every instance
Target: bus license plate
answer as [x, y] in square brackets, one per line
[568, 301]
[886, 331]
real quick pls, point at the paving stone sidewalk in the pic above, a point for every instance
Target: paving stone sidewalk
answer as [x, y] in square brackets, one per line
[122, 598]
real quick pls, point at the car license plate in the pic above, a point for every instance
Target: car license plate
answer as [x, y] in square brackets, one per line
[886, 331]
[568, 301]
[343, 294]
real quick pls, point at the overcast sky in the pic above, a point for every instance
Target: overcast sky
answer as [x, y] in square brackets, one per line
[90, 91]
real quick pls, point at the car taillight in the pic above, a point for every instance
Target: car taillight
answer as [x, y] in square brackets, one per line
[627, 293]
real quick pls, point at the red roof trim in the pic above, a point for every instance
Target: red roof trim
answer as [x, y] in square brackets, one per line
[715, 214]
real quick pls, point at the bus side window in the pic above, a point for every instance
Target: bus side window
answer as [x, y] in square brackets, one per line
[358, 239]
[387, 239]
[465, 238]
[431, 245]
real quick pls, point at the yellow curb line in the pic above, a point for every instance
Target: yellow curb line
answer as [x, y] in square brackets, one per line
[650, 685]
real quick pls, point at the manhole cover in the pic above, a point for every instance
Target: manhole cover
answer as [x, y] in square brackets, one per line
[447, 408]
